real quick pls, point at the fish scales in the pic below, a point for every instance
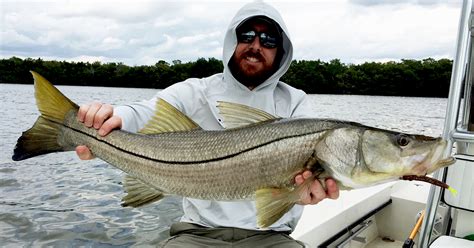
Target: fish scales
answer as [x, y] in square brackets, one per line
[207, 145]
[273, 163]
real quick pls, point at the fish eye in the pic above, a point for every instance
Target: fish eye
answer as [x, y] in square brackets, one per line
[403, 140]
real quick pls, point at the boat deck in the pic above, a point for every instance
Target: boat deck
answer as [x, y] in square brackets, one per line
[388, 227]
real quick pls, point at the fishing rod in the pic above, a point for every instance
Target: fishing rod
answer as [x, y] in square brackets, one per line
[409, 243]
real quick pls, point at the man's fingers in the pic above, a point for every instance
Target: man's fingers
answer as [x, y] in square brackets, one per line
[84, 153]
[312, 193]
[110, 124]
[317, 192]
[100, 116]
[305, 196]
[307, 174]
[91, 112]
[81, 113]
[332, 189]
[299, 179]
[105, 111]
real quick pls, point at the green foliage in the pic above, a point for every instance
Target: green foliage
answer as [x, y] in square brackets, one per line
[424, 78]
[427, 77]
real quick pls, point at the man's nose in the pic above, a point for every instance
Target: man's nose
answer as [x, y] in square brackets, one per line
[256, 43]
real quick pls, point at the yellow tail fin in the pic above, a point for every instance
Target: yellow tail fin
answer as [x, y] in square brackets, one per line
[42, 137]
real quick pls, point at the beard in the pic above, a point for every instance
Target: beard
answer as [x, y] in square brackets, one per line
[248, 76]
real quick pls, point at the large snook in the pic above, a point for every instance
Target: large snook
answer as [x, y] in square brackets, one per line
[256, 158]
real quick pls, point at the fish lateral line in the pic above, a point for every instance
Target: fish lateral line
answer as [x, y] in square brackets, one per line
[185, 162]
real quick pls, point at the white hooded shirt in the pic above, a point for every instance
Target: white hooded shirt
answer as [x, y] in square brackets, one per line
[197, 98]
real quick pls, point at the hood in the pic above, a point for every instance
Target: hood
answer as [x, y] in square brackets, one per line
[256, 8]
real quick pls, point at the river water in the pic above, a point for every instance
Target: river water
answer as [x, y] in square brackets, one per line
[58, 200]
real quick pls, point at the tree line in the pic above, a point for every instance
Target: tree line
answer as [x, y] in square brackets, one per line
[423, 78]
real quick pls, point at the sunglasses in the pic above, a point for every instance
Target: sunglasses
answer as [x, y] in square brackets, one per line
[267, 40]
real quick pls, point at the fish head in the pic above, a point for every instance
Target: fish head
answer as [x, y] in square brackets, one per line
[386, 154]
[359, 156]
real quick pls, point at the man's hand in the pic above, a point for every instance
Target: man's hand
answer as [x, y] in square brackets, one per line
[315, 192]
[99, 116]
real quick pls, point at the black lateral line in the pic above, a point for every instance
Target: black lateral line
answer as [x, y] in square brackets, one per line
[190, 162]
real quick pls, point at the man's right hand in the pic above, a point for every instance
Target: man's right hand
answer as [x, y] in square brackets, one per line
[99, 116]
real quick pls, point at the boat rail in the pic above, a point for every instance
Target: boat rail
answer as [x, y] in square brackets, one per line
[458, 131]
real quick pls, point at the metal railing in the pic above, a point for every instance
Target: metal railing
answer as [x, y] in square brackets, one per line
[454, 131]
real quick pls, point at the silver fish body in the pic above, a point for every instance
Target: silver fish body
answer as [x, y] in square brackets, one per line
[209, 164]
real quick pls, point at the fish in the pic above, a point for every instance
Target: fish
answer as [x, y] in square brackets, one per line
[256, 157]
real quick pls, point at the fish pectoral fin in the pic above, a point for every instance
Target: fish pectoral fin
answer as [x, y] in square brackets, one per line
[273, 203]
[139, 193]
[167, 118]
[239, 115]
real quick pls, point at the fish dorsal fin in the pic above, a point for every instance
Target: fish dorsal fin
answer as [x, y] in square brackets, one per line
[167, 118]
[138, 193]
[238, 115]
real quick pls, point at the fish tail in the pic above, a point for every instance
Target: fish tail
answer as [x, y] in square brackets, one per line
[42, 138]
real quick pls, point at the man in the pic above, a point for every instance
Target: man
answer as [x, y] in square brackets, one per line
[257, 52]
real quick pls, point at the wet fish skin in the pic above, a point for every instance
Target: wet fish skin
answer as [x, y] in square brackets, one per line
[257, 158]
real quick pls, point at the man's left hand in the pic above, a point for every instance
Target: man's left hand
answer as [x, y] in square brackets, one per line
[315, 192]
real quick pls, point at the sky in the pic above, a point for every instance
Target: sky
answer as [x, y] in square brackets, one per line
[142, 32]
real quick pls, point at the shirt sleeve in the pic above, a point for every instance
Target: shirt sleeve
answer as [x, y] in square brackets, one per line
[136, 115]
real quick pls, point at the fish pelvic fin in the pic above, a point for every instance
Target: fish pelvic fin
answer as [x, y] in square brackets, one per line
[167, 118]
[273, 203]
[139, 193]
[238, 115]
[42, 138]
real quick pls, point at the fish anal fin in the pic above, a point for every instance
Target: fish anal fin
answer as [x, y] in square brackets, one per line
[273, 203]
[139, 193]
[167, 118]
[238, 115]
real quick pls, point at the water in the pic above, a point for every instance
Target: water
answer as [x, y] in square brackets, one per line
[59, 200]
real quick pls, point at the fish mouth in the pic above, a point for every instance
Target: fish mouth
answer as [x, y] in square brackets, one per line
[445, 162]
[426, 167]
[440, 164]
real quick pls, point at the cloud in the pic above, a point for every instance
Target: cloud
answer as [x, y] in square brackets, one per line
[383, 32]
[145, 31]
[187, 40]
[399, 2]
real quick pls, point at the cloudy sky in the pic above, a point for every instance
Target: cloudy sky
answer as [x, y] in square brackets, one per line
[143, 32]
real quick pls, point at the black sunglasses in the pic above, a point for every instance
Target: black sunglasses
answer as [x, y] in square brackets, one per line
[267, 40]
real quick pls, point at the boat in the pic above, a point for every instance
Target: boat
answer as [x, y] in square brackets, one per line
[408, 213]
